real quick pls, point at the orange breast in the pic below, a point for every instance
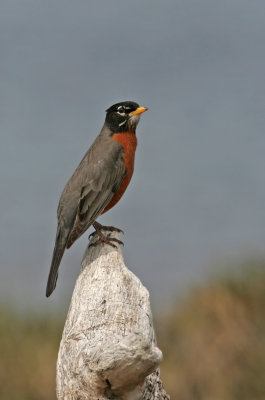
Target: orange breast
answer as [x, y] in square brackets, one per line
[128, 141]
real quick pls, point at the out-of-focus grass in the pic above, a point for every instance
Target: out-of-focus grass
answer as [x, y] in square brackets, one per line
[214, 341]
[28, 351]
[213, 344]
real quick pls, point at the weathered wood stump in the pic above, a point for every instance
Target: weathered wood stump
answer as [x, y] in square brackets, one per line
[108, 348]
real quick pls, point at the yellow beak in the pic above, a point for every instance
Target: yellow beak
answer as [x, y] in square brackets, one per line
[138, 111]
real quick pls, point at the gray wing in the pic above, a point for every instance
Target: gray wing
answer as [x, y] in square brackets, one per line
[85, 196]
[100, 174]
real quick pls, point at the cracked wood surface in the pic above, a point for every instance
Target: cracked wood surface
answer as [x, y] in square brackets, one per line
[108, 348]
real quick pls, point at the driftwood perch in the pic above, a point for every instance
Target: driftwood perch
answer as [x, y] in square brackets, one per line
[108, 348]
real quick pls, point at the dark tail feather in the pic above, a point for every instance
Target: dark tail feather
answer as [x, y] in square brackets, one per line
[58, 251]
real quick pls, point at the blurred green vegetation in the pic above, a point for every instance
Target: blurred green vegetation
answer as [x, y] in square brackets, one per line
[28, 351]
[214, 340]
[213, 343]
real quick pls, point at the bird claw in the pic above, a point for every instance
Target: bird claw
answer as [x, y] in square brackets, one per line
[105, 228]
[102, 239]
[108, 241]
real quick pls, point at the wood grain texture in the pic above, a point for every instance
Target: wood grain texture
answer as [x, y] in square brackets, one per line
[108, 348]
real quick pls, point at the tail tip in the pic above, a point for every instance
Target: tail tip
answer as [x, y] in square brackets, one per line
[49, 290]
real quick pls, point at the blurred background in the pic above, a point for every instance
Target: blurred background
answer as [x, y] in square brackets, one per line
[193, 214]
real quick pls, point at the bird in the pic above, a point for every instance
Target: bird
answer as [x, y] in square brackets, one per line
[98, 182]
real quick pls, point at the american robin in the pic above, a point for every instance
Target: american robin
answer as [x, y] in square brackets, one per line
[98, 183]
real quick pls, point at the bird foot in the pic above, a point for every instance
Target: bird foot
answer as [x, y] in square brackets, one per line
[102, 239]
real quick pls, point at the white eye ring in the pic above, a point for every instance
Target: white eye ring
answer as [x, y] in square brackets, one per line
[121, 113]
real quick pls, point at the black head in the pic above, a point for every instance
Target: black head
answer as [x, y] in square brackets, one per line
[124, 116]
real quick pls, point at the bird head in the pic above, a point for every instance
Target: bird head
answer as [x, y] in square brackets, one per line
[124, 116]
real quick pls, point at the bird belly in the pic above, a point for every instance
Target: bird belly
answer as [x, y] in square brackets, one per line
[128, 141]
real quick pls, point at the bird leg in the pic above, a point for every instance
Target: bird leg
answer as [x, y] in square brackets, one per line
[102, 238]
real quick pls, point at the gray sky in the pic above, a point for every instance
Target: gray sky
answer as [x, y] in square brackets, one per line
[198, 191]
